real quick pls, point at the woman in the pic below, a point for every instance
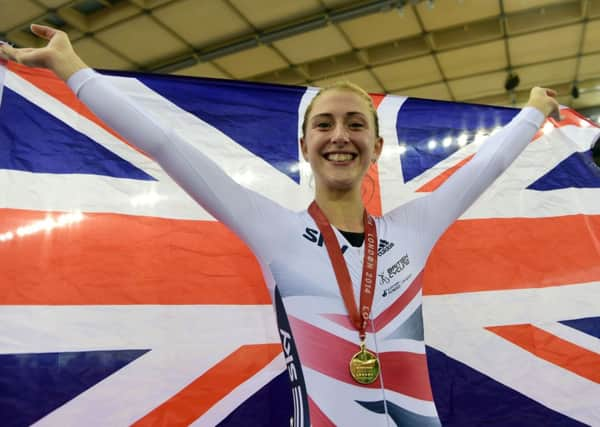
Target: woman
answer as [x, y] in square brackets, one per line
[358, 359]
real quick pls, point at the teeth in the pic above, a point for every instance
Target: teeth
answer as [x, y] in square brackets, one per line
[340, 157]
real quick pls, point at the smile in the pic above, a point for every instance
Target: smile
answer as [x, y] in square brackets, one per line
[340, 157]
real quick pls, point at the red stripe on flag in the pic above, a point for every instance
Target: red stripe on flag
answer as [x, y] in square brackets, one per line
[48, 82]
[199, 396]
[376, 98]
[572, 117]
[121, 259]
[317, 417]
[405, 372]
[514, 253]
[371, 191]
[441, 178]
[553, 349]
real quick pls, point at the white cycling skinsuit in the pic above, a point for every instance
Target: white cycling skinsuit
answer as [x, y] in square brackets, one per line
[317, 337]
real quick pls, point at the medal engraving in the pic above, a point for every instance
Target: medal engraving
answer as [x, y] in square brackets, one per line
[364, 366]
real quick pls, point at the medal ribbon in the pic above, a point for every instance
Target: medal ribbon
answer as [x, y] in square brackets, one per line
[359, 317]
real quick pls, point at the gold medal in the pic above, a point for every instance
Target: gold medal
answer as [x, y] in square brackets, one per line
[364, 366]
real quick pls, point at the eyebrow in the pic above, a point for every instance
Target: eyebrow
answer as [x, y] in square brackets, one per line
[329, 115]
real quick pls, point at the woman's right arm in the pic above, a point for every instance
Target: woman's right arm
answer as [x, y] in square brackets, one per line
[237, 207]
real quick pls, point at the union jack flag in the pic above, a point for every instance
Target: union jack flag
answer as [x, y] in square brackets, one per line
[123, 302]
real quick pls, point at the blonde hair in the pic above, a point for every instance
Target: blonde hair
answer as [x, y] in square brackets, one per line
[349, 86]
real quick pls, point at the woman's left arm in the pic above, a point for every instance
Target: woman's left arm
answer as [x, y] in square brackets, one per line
[437, 211]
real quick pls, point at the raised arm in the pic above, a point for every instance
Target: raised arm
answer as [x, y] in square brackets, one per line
[242, 210]
[434, 213]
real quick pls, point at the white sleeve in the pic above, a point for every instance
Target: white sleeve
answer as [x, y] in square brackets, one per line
[434, 213]
[250, 215]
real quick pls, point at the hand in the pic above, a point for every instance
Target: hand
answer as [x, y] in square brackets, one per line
[544, 100]
[58, 55]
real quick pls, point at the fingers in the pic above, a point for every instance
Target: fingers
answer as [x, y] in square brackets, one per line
[7, 52]
[13, 54]
[27, 56]
[537, 90]
[43, 31]
[555, 113]
[552, 104]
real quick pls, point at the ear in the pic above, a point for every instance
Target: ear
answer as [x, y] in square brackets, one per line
[304, 149]
[377, 149]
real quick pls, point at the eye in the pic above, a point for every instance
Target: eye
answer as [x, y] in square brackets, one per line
[356, 125]
[323, 125]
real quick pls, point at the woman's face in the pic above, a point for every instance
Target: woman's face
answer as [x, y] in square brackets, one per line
[340, 141]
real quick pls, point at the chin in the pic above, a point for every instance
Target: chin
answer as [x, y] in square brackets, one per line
[342, 181]
[343, 184]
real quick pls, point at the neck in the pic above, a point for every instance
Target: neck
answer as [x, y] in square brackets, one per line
[344, 210]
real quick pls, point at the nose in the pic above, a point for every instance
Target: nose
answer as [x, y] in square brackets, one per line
[340, 135]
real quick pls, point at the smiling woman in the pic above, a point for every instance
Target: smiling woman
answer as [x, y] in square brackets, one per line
[337, 350]
[341, 139]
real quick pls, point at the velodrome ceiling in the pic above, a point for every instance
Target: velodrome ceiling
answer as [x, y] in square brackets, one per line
[444, 49]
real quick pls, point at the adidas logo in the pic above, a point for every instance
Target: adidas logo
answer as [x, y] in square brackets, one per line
[384, 246]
